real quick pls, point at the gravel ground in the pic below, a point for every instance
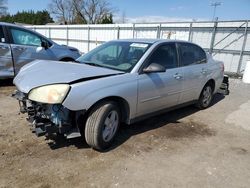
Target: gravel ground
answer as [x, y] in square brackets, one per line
[182, 148]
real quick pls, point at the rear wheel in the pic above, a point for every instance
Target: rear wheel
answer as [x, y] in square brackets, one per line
[206, 97]
[102, 125]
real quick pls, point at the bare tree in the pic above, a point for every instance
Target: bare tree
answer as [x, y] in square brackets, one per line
[81, 11]
[92, 11]
[3, 7]
[123, 17]
[63, 10]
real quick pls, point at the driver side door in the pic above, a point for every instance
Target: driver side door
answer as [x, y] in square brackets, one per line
[159, 90]
[26, 47]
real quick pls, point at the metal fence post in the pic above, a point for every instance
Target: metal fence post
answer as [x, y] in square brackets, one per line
[49, 33]
[133, 31]
[118, 32]
[213, 36]
[158, 35]
[88, 38]
[190, 32]
[243, 48]
[67, 35]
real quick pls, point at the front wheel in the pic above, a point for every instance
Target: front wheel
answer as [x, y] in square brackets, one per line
[102, 125]
[206, 97]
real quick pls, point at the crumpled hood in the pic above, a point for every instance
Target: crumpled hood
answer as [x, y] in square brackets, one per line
[44, 72]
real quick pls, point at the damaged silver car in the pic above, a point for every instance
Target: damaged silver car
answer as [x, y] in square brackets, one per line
[121, 81]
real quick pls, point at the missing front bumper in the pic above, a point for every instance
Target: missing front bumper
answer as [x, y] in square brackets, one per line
[46, 119]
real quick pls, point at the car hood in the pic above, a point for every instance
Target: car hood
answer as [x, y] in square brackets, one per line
[69, 47]
[41, 72]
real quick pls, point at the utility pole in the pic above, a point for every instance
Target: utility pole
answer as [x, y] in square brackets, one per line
[215, 4]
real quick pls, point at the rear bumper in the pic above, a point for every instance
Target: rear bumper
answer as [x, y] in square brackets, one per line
[48, 118]
[224, 88]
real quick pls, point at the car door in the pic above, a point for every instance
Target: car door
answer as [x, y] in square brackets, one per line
[26, 47]
[193, 62]
[6, 63]
[159, 90]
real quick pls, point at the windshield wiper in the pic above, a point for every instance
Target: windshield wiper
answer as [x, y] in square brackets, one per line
[89, 63]
[93, 64]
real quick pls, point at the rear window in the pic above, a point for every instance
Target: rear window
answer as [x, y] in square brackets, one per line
[191, 54]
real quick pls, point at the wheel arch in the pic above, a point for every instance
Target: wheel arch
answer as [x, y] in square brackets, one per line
[123, 106]
[212, 83]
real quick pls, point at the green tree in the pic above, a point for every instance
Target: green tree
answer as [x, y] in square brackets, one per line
[29, 17]
[107, 19]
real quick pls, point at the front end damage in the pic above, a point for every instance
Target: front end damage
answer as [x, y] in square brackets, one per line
[48, 119]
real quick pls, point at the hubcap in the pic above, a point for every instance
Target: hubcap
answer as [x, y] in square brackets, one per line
[207, 96]
[110, 126]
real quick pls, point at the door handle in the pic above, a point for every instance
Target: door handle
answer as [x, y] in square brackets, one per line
[177, 76]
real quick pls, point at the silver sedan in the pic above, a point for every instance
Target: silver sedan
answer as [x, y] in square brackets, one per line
[121, 81]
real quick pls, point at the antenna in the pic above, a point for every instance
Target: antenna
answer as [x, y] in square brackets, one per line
[215, 4]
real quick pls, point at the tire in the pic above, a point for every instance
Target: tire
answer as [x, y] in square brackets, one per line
[102, 125]
[206, 97]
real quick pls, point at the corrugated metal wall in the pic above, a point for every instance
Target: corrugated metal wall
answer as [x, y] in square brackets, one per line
[228, 41]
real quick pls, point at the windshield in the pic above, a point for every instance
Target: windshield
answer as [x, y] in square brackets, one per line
[119, 55]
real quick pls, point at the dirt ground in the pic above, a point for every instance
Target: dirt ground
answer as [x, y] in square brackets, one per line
[182, 148]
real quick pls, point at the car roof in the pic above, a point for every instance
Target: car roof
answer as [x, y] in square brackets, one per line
[151, 41]
[11, 24]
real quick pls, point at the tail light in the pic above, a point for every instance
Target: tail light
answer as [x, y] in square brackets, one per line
[222, 67]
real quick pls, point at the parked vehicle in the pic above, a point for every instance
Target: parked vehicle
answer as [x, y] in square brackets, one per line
[19, 46]
[120, 81]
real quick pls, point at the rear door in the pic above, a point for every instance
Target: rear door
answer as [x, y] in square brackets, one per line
[160, 90]
[193, 61]
[26, 47]
[6, 63]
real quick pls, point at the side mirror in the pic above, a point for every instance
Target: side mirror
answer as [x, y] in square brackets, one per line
[154, 67]
[45, 45]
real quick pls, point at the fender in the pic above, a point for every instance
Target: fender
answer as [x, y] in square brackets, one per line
[122, 85]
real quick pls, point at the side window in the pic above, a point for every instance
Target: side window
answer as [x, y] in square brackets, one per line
[25, 38]
[165, 55]
[2, 38]
[191, 54]
[135, 54]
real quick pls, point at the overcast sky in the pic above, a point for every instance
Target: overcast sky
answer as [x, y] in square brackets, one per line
[158, 10]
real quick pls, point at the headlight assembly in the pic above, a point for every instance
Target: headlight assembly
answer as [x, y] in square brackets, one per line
[51, 94]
